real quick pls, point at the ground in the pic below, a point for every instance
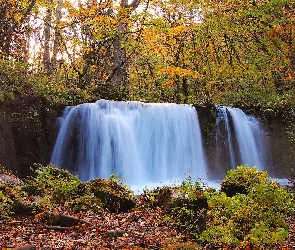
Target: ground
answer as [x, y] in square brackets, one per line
[142, 229]
[137, 229]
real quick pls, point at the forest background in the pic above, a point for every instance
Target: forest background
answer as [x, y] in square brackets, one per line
[220, 52]
[56, 53]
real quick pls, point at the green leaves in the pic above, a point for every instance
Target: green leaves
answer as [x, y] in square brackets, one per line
[253, 215]
[239, 180]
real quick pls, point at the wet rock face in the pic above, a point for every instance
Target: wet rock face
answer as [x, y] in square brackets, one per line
[27, 134]
[7, 148]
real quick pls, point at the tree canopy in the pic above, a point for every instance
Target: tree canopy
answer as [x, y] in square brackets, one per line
[202, 51]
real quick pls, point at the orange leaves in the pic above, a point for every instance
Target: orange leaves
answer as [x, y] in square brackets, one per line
[168, 83]
[142, 229]
[290, 76]
[282, 29]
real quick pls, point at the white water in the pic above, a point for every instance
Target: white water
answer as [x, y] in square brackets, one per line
[150, 144]
[249, 137]
[228, 141]
[142, 143]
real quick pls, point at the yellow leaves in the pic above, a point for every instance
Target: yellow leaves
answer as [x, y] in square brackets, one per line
[178, 30]
[177, 71]
[191, 51]
[18, 16]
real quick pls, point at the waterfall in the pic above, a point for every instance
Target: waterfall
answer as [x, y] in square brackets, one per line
[140, 142]
[224, 140]
[243, 137]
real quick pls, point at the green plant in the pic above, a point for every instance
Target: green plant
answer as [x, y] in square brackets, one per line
[57, 183]
[114, 196]
[189, 207]
[10, 197]
[5, 204]
[257, 218]
[185, 205]
[240, 179]
[86, 203]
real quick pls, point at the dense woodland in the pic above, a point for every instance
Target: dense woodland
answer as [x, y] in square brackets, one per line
[55, 53]
[204, 51]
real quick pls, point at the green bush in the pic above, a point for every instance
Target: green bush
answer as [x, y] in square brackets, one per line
[237, 181]
[58, 183]
[185, 205]
[158, 197]
[189, 208]
[86, 203]
[256, 219]
[14, 201]
[55, 186]
[114, 196]
[6, 200]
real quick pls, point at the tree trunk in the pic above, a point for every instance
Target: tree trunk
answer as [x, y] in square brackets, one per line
[119, 59]
[118, 76]
[57, 37]
[47, 29]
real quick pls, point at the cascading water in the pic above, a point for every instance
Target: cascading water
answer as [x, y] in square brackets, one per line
[244, 138]
[140, 142]
[224, 139]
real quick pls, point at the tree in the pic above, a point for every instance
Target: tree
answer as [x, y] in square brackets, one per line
[118, 75]
[13, 22]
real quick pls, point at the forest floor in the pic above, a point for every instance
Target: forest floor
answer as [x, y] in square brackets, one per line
[144, 227]
[138, 229]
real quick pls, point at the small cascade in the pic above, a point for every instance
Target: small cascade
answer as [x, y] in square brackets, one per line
[224, 139]
[140, 142]
[243, 137]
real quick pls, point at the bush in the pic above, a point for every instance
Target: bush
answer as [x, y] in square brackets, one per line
[189, 207]
[7, 196]
[255, 219]
[58, 183]
[238, 181]
[186, 205]
[55, 186]
[14, 201]
[158, 197]
[114, 196]
[86, 203]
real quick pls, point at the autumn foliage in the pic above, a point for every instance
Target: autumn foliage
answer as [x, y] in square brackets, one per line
[220, 52]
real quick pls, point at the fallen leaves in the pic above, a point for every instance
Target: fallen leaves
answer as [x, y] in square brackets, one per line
[133, 230]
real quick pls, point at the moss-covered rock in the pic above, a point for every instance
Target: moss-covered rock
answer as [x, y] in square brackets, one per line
[86, 203]
[114, 196]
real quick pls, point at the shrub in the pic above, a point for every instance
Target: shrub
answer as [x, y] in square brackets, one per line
[55, 186]
[158, 197]
[14, 201]
[186, 205]
[58, 183]
[240, 179]
[255, 219]
[86, 203]
[189, 207]
[6, 200]
[114, 196]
